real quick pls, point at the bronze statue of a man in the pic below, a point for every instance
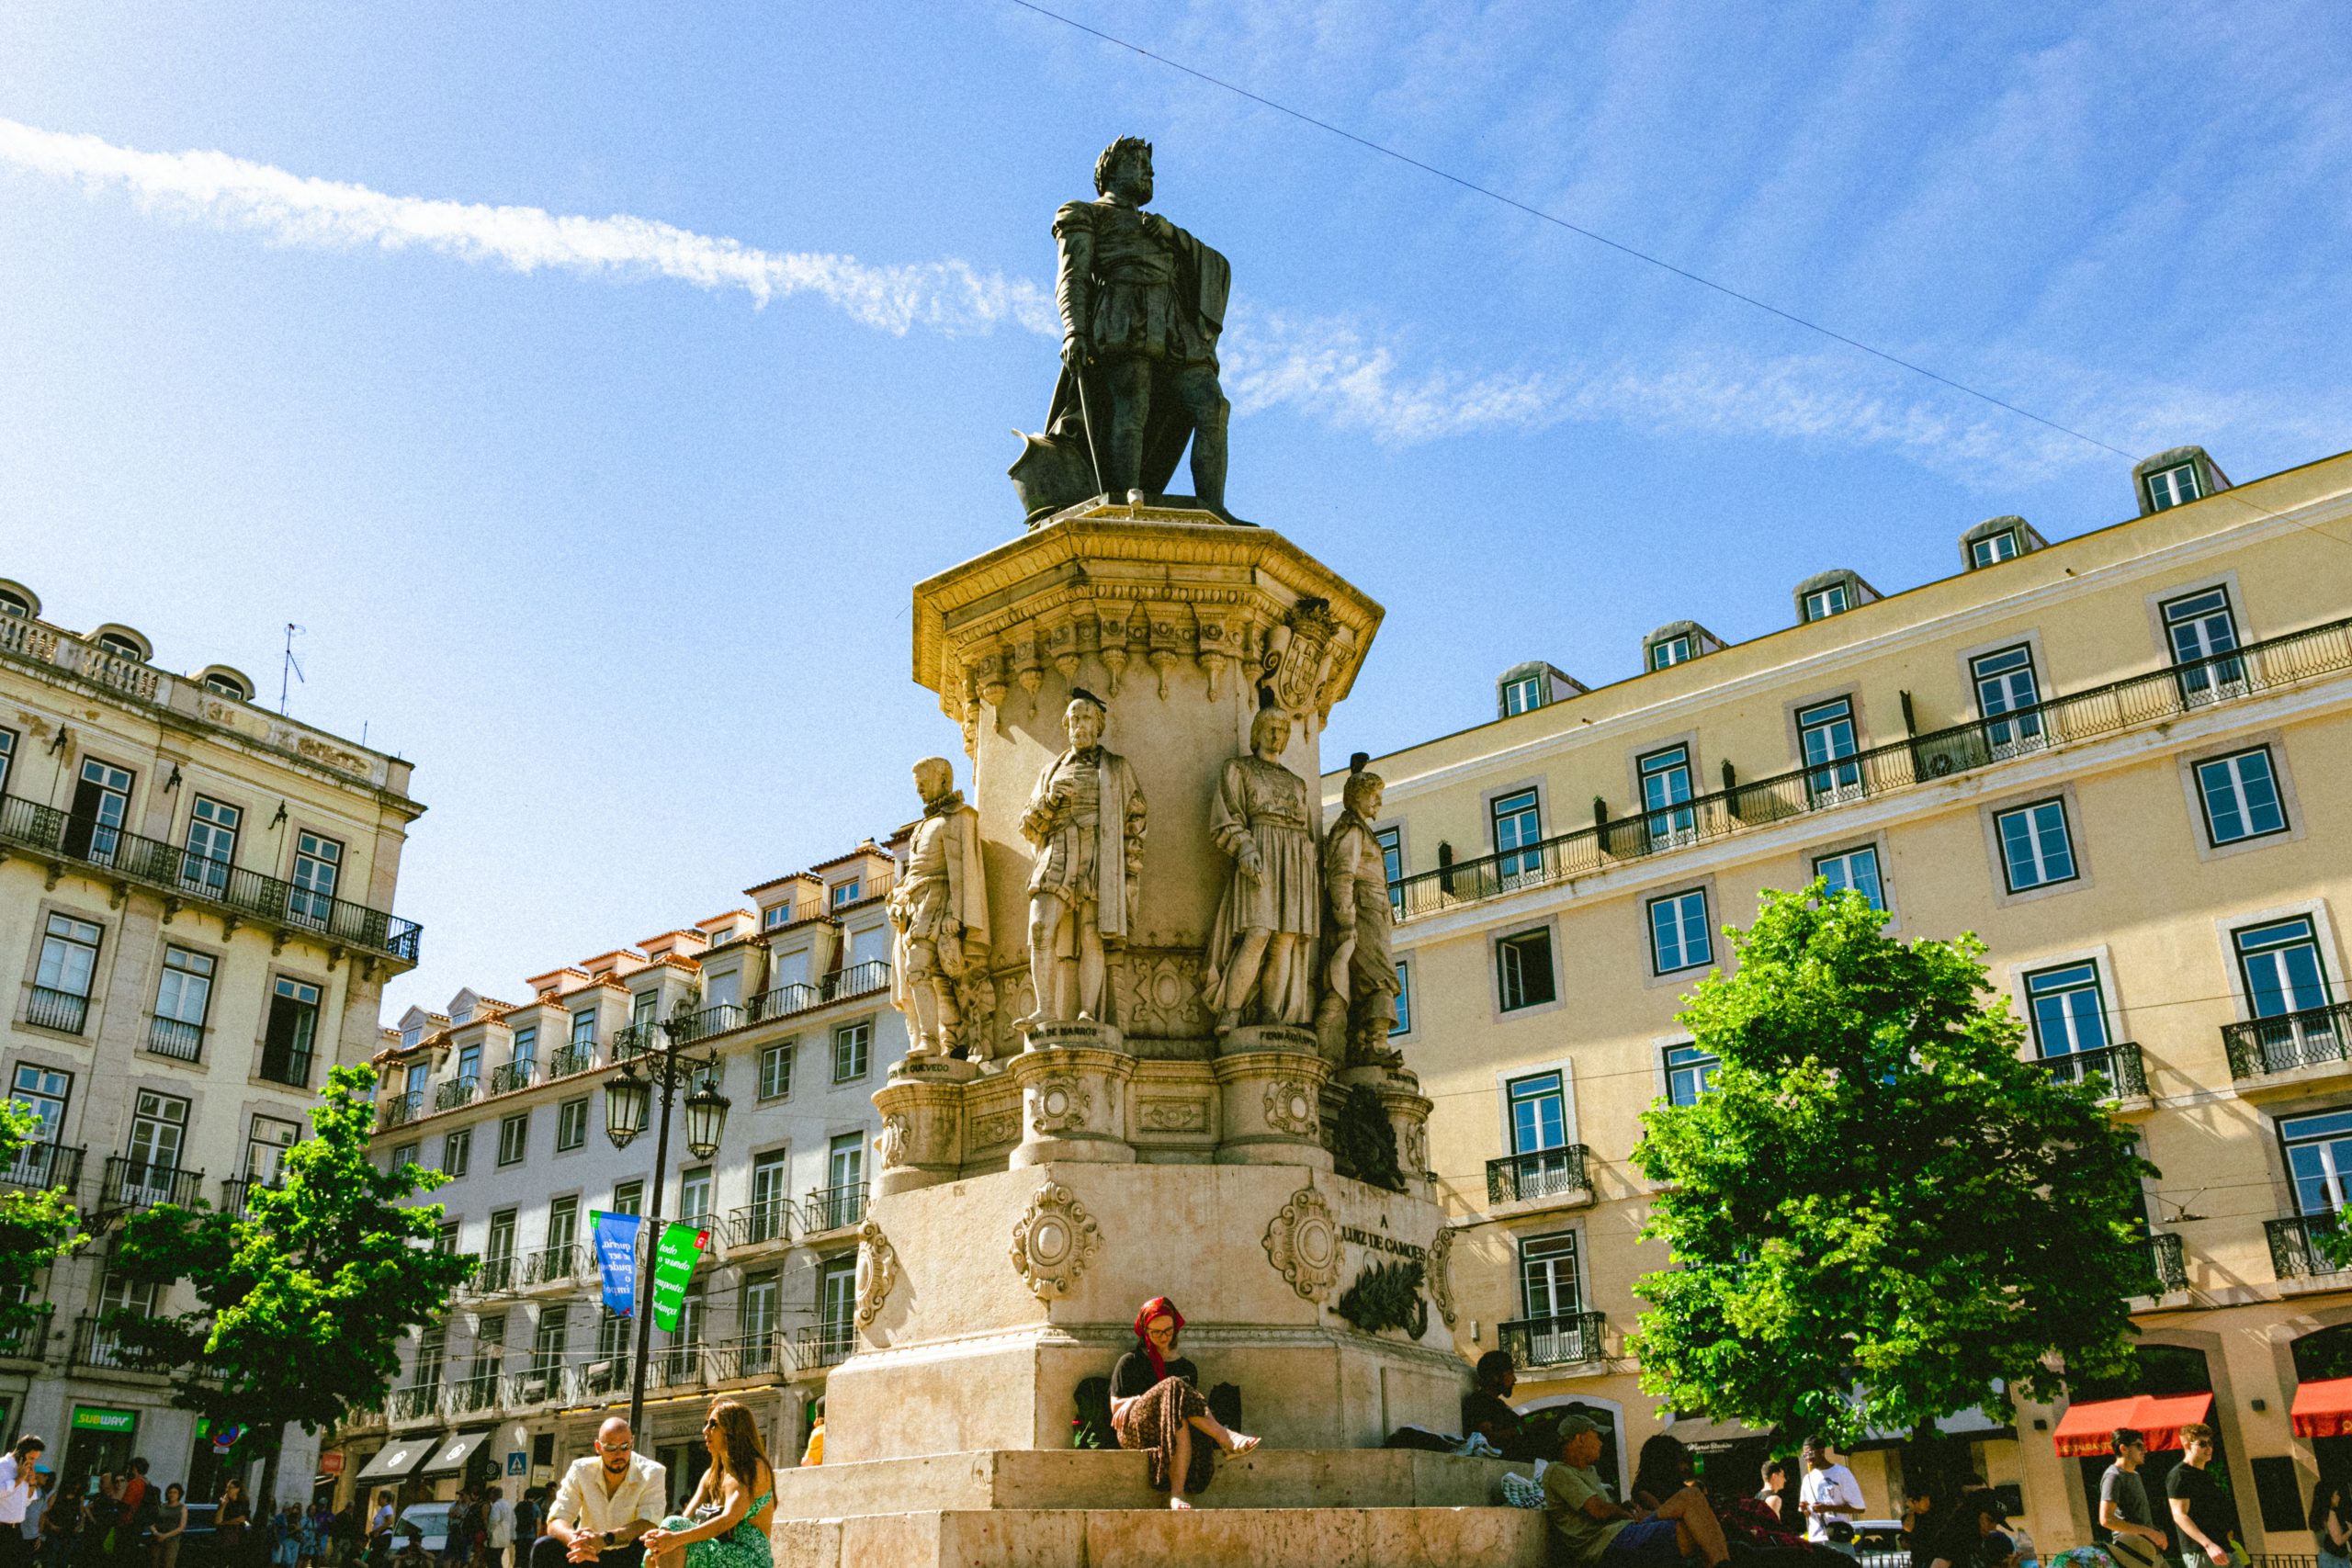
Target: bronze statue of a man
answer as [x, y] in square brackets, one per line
[1086, 818]
[940, 912]
[1142, 305]
[1360, 974]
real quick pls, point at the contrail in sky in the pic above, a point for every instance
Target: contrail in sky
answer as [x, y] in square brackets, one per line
[948, 296]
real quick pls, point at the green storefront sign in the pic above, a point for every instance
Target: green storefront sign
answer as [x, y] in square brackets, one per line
[89, 1418]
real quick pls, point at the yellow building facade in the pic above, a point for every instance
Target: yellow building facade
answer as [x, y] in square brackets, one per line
[2120, 759]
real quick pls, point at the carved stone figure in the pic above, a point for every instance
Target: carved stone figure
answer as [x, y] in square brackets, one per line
[940, 913]
[1260, 949]
[1359, 975]
[1142, 305]
[1086, 819]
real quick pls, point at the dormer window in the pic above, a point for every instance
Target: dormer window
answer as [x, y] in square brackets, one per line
[1524, 687]
[228, 686]
[1994, 549]
[121, 647]
[1677, 642]
[1522, 694]
[1832, 592]
[1822, 603]
[15, 603]
[1998, 539]
[2175, 486]
[846, 893]
[775, 915]
[1671, 652]
[411, 1037]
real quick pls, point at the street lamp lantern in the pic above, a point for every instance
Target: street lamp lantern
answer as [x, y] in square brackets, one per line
[706, 1118]
[628, 1100]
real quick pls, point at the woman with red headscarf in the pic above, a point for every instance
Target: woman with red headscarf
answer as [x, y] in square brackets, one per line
[1156, 1406]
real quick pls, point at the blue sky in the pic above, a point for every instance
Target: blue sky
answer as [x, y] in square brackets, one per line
[619, 554]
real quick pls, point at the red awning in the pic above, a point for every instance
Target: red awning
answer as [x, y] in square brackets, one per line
[2323, 1409]
[2090, 1429]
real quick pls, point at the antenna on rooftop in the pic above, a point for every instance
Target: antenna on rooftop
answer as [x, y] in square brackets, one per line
[293, 666]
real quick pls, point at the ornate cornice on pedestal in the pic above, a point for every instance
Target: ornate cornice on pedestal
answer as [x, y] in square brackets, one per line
[1153, 590]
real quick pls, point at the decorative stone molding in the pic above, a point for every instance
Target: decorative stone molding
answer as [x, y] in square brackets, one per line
[1053, 1242]
[892, 1143]
[1000, 1127]
[1438, 1273]
[1172, 1115]
[1303, 1244]
[877, 1270]
[1058, 1103]
[1291, 1107]
[1163, 995]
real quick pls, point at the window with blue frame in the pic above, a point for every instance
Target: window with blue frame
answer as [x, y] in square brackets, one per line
[1678, 938]
[2240, 793]
[1519, 827]
[2319, 1158]
[2201, 626]
[1852, 870]
[1404, 1025]
[2006, 684]
[2036, 848]
[1666, 787]
[1689, 1073]
[1826, 732]
[1539, 1114]
[1524, 969]
[2068, 1008]
[2281, 964]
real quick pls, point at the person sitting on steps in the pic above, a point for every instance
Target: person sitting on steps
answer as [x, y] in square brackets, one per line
[1592, 1529]
[1156, 1406]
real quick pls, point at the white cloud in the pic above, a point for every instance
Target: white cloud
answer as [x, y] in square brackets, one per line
[293, 210]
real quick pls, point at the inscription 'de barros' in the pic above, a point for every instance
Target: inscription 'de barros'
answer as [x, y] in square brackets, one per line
[1375, 1242]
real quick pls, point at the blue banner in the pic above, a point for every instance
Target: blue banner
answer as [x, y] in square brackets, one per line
[616, 1260]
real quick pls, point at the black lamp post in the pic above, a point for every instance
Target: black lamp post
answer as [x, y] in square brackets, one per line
[628, 1095]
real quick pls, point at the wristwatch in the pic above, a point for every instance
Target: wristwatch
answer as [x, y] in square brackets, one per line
[612, 1538]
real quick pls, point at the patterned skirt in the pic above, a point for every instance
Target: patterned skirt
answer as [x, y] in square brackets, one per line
[1151, 1424]
[743, 1547]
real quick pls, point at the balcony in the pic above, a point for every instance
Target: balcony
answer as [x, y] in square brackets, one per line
[398, 1110]
[2119, 1068]
[28, 1340]
[607, 1377]
[857, 980]
[279, 1064]
[757, 1355]
[2315, 1037]
[1552, 1341]
[454, 1093]
[2302, 1247]
[760, 1224]
[44, 1166]
[1550, 1177]
[692, 1026]
[2167, 1267]
[512, 1077]
[636, 1039]
[233, 891]
[180, 1041]
[558, 1265]
[577, 1058]
[418, 1402]
[237, 1190]
[540, 1385]
[64, 1012]
[492, 1276]
[132, 1184]
[469, 1395]
[833, 1209]
[2138, 702]
[821, 1345]
[102, 1347]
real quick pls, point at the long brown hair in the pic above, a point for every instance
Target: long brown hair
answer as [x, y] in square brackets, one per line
[740, 1452]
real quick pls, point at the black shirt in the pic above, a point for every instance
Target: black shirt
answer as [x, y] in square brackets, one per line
[1482, 1410]
[2208, 1508]
[1133, 1375]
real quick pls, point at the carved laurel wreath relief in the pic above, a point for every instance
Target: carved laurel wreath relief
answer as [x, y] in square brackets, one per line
[877, 1270]
[1052, 1241]
[1303, 1244]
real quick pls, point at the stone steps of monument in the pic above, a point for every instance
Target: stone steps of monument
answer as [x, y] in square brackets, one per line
[1112, 1479]
[1161, 1538]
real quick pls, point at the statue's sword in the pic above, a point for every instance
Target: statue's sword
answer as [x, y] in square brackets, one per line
[1086, 417]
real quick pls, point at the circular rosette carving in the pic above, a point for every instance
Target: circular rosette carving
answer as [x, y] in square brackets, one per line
[1058, 1103]
[1303, 1242]
[1052, 1241]
[877, 1270]
[1440, 1275]
[1290, 1108]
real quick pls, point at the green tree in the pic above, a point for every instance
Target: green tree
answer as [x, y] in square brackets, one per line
[37, 1227]
[1881, 1214]
[303, 1297]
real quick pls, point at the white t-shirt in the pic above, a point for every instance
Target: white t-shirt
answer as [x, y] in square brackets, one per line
[15, 1492]
[501, 1523]
[1835, 1484]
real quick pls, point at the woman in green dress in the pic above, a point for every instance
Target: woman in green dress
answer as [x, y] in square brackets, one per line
[726, 1524]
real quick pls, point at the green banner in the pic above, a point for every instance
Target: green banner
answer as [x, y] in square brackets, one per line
[89, 1418]
[675, 1256]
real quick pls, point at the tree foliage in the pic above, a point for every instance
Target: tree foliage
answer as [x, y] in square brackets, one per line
[1881, 1214]
[37, 1228]
[303, 1297]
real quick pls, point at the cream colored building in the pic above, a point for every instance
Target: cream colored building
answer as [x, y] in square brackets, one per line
[195, 895]
[2120, 758]
[793, 997]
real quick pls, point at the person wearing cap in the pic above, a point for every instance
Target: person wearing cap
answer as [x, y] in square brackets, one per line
[1592, 1529]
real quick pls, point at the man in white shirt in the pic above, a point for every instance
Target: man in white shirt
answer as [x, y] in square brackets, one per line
[18, 1480]
[1830, 1493]
[605, 1502]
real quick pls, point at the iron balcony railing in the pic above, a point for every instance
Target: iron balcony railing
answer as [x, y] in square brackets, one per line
[27, 1340]
[2301, 1245]
[237, 1191]
[834, 1208]
[536, 1386]
[65, 1011]
[757, 1354]
[636, 1039]
[414, 1403]
[476, 1391]
[179, 873]
[558, 1265]
[399, 1109]
[601, 1378]
[2167, 1266]
[1552, 1341]
[571, 1059]
[717, 1020]
[175, 1038]
[282, 1065]
[2261, 1046]
[755, 1224]
[819, 1344]
[2156, 697]
[1543, 1173]
[2119, 1067]
[492, 1275]
[142, 1184]
[95, 1345]
[43, 1166]
[456, 1092]
[512, 1077]
[857, 980]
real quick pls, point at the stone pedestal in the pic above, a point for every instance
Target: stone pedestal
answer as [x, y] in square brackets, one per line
[923, 1122]
[1272, 1091]
[1074, 1099]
